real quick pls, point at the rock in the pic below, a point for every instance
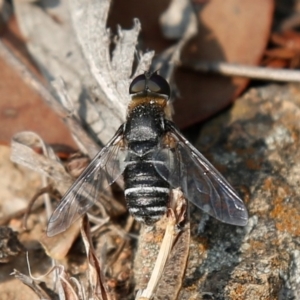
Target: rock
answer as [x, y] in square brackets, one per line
[256, 145]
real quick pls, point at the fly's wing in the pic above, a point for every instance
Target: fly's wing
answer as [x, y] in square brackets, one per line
[103, 170]
[182, 165]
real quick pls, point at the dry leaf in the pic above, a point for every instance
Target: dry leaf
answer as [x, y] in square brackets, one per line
[97, 285]
[226, 32]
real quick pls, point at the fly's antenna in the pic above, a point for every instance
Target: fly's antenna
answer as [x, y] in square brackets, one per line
[149, 74]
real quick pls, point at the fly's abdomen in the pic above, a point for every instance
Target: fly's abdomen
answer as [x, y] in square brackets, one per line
[146, 193]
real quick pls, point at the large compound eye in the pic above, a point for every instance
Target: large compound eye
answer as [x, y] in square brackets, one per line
[157, 84]
[150, 83]
[138, 84]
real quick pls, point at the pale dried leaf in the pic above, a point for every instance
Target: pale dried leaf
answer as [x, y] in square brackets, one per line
[22, 152]
[113, 76]
[52, 43]
[58, 246]
[145, 61]
[99, 88]
[85, 143]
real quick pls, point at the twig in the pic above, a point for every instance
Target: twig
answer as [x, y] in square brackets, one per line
[18, 214]
[291, 22]
[73, 124]
[230, 69]
[47, 189]
[177, 214]
[161, 261]
[183, 30]
[188, 22]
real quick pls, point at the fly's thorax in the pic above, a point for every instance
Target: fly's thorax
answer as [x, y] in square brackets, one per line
[159, 102]
[145, 121]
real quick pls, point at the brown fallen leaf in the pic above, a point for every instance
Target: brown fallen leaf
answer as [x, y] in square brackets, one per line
[226, 32]
[20, 107]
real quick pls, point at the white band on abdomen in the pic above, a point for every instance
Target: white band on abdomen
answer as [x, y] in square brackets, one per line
[146, 189]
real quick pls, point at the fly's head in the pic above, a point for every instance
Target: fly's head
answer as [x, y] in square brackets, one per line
[149, 88]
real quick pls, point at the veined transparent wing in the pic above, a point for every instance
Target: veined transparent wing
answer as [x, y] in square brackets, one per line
[103, 170]
[184, 166]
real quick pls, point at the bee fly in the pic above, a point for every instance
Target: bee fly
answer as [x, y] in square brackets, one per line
[153, 158]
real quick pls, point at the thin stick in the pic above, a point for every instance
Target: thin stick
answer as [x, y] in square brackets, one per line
[26, 75]
[229, 69]
[18, 214]
[160, 263]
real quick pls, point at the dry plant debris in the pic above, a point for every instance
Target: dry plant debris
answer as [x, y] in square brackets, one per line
[167, 244]
[10, 246]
